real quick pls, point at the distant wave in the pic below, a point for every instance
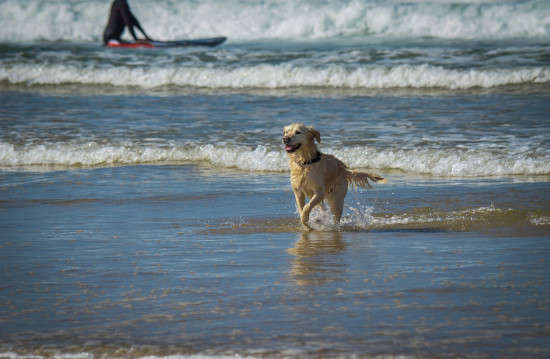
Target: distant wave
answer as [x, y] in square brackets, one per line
[274, 76]
[438, 162]
[280, 19]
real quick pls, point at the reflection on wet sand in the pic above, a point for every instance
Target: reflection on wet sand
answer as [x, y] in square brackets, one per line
[317, 258]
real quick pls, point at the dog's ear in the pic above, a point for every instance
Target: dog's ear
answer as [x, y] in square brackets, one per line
[315, 133]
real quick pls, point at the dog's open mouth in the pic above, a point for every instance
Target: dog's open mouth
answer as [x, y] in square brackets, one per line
[292, 148]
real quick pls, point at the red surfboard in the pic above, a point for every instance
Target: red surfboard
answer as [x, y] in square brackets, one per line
[144, 44]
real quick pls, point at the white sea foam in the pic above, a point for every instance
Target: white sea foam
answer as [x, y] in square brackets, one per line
[539, 220]
[437, 162]
[266, 76]
[286, 19]
[93, 154]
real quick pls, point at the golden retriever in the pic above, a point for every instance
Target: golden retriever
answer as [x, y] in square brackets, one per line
[317, 175]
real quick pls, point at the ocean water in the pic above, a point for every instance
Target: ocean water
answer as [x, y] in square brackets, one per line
[145, 200]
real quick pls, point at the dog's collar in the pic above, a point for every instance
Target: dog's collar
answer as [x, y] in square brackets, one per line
[316, 158]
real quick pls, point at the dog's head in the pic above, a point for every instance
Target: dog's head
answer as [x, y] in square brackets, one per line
[298, 136]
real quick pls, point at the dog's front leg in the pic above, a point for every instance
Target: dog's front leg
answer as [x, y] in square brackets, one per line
[300, 199]
[300, 203]
[314, 200]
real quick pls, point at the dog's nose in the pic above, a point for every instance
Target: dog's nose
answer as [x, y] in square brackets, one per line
[286, 139]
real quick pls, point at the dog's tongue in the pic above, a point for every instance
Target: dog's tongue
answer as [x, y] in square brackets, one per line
[288, 147]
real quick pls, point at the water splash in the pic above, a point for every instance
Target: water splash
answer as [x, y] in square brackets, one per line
[354, 218]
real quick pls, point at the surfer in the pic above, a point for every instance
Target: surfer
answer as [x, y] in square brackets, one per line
[119, 18]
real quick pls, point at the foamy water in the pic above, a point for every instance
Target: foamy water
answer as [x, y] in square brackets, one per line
[438, 162]
[283, 44]
[276, 76]
[249, 20]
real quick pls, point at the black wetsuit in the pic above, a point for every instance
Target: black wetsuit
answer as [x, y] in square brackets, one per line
[121, 17]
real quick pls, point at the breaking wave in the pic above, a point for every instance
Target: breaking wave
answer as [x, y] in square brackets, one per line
[265, 76]
[437, 162]
[288, 19]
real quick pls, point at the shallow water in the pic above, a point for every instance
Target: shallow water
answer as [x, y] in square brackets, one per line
[190, 259]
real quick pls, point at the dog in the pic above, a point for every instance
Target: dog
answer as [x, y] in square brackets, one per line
[317, 175]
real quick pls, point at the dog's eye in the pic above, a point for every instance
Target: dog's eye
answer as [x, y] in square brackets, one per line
[298, 133]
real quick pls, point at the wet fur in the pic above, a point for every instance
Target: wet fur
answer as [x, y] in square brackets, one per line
[327, 179]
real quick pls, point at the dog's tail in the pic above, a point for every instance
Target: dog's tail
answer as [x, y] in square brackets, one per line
[361, 179]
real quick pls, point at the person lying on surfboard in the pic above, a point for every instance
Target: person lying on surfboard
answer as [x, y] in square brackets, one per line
[119, 18]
